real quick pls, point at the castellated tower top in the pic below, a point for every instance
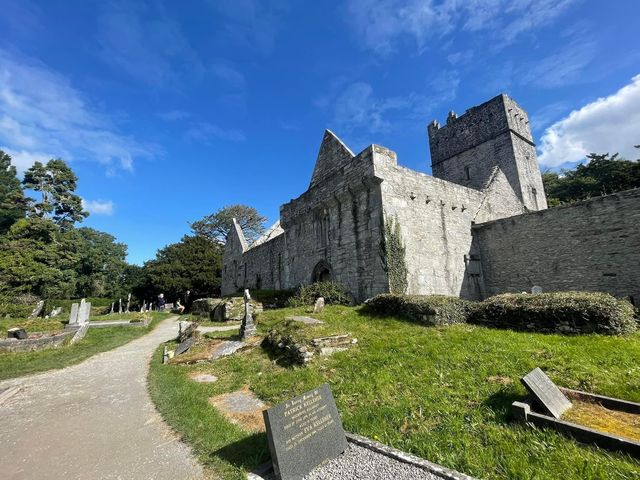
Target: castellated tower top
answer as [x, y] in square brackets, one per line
[476, 126]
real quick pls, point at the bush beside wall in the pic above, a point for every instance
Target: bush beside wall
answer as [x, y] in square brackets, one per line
[332, 292]
[426, 309]
[559, 312]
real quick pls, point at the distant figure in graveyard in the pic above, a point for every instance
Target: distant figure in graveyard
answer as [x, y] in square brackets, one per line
[161, 302]
[179, 306]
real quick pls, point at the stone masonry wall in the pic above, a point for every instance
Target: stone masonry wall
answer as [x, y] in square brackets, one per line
[592, 245]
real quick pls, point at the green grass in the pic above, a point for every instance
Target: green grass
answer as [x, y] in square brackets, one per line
[97, 340]
[442, 393]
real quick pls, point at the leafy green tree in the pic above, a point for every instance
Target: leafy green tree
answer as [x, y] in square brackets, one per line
[194, 263]
[602, 175]
[217, 226]
[12, 201]
[37, 258]
[101, 262]
[56, 184]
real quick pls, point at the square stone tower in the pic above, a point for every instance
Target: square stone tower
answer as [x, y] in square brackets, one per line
[469, 149]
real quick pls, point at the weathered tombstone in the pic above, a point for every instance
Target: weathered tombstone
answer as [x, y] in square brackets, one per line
[536, 289]
[120, 306]
[55, 312]
[19, 333]
[319, 306]
[73, 316]
[84, 311]
[111, 309]
[247, 328]
[184, 346]
[143, 307]
[304, 432]
[546, 393]
[128, 303]
[36, 311]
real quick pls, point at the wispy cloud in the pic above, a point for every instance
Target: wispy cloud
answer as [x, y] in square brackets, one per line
[610, 124]
[381, 25]
[43, 116]
[205, 132]
[98, 207]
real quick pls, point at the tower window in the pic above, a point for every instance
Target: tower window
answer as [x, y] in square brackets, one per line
[467, 173]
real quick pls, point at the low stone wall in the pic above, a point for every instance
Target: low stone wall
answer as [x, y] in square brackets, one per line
[33, 344]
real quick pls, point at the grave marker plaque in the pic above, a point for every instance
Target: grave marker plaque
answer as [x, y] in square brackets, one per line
[184, 346]
[546, 393]
[303, 433]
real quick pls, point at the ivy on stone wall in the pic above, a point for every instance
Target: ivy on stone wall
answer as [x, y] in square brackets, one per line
[394, 256]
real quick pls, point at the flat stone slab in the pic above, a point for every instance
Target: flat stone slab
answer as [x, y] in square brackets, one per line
[226, 347]
[241, 407]
[184, 346]
[224, 328]
[204, 378]
[305, 320]
[546, 393]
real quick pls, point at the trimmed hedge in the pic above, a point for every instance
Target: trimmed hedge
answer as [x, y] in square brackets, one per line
[426, 309]
[332, 292]
[558, 312]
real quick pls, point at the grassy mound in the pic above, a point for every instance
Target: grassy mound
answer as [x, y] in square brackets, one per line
[560, 312]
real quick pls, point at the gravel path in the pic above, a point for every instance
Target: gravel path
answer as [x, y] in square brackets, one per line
[359, 463]
[93, 420]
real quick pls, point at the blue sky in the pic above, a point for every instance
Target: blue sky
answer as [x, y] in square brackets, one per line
[168, 110]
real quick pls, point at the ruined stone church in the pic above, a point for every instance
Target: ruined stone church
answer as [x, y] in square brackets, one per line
[479, 226]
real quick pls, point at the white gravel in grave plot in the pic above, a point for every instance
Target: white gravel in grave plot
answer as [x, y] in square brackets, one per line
[359, 463]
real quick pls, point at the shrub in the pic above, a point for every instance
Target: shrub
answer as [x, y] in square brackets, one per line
[14, 309]
[562, 312]
[332, 292]
[427, 309]
[272, 298]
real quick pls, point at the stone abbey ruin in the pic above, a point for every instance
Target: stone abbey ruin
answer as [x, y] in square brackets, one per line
[479, 226]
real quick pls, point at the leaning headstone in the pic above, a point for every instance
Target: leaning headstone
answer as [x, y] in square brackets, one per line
[120, 306]
[536, 289]
[111, 309]
[36, 311]
[304, 432]
[184, 346]
[319, 306]
[73, 316]
[247, 328]
[142, 308]
[546, 393]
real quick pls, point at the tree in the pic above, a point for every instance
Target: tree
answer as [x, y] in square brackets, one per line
[12, 202]
[217, 226]
[56, 184]
[602, 175]
[194, 263]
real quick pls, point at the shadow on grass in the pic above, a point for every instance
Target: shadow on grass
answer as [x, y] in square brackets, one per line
[248, 453]
[500, 403]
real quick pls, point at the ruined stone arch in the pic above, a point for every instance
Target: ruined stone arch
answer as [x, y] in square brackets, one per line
[322, 272]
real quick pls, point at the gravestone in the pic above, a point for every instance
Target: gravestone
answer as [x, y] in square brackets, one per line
[184, 346]
[304, 432]
[319, 306]
[19, 333]
[55, 312]
[120, 306]
[546, 393]
[111, 309]
[536, 289]
[305, 320]
[247, 328]
[73, 316]
[36, 311]
[128, 303]
[142, 308]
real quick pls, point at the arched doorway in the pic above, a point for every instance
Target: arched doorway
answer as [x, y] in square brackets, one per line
[322, 272]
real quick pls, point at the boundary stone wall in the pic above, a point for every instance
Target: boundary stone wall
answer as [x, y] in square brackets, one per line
[592, 245]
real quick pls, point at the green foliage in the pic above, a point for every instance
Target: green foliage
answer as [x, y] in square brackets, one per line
[12, 201]
[394, 257]
[602, 175]
[563, 312]
[332, 292]
[8, 306]
[273, 298]
[217, 226]
[194, 263]
[426, 309]
[56, 184]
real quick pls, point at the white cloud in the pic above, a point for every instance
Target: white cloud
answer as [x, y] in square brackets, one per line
[98, 207]
[382, 24]
[43, 116]
[610, 124]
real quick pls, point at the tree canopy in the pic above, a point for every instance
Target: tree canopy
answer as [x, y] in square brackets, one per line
[216, 227]
[56, 183]
[602, 175]
[12, 202]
